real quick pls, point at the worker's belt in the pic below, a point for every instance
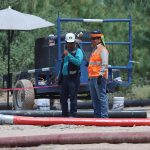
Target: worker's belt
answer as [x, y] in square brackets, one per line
[92, 77]
[72, 72]
[95, 63]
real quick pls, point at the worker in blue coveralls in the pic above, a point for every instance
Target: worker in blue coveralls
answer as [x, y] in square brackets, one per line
[70, 73]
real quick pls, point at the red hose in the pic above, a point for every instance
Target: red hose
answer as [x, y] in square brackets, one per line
[46, 121]
[76, 138]
[81, 121]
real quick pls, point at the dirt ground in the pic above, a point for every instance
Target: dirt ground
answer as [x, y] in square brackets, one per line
[27, 130]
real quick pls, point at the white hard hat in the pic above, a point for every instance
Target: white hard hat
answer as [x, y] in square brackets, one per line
[70, 37]
[51, 35]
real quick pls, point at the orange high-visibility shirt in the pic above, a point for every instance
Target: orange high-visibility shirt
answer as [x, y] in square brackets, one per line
[98, 63]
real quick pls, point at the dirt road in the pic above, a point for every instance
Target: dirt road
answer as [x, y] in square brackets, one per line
[27, 130]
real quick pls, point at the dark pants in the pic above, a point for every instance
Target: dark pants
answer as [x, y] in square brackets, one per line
[69, 89]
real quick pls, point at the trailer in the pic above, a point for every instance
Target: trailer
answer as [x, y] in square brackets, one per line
[40, 82]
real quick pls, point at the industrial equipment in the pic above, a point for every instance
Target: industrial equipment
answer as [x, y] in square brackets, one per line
[40, 82]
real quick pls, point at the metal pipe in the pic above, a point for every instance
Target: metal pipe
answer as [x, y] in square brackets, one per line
[80, 113]
[76, 138]
[8, 65]
[58, 39]
[93, 20]
[46, 121]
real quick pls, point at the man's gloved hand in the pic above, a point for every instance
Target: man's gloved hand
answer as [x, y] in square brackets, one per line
[99, 79]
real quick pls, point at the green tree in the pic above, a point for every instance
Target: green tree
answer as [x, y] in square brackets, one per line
[22, 47]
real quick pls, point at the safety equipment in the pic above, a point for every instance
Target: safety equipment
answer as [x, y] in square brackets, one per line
[95, 63]
[98, 33]
[73, 70]
[70, 37]
[51, 36]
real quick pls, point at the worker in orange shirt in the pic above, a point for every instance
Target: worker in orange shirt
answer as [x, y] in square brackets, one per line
[98, 74]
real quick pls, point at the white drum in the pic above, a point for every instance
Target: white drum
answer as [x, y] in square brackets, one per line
[42, 103]
[118, 103]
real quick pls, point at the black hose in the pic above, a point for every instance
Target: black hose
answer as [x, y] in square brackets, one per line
[134, 103]
[87, 104]
[80, 113]
[3, 106]
[127, 103]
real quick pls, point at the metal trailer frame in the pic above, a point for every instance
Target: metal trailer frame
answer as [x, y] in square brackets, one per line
[129, 42]
[53, 88]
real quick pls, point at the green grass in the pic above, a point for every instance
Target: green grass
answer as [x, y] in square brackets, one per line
[141, 92]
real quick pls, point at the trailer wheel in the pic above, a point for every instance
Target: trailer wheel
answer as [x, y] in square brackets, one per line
[23, 99]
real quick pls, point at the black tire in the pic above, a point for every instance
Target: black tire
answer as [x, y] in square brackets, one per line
[23, 99]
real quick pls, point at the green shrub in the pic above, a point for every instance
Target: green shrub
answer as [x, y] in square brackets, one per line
[141, 92]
